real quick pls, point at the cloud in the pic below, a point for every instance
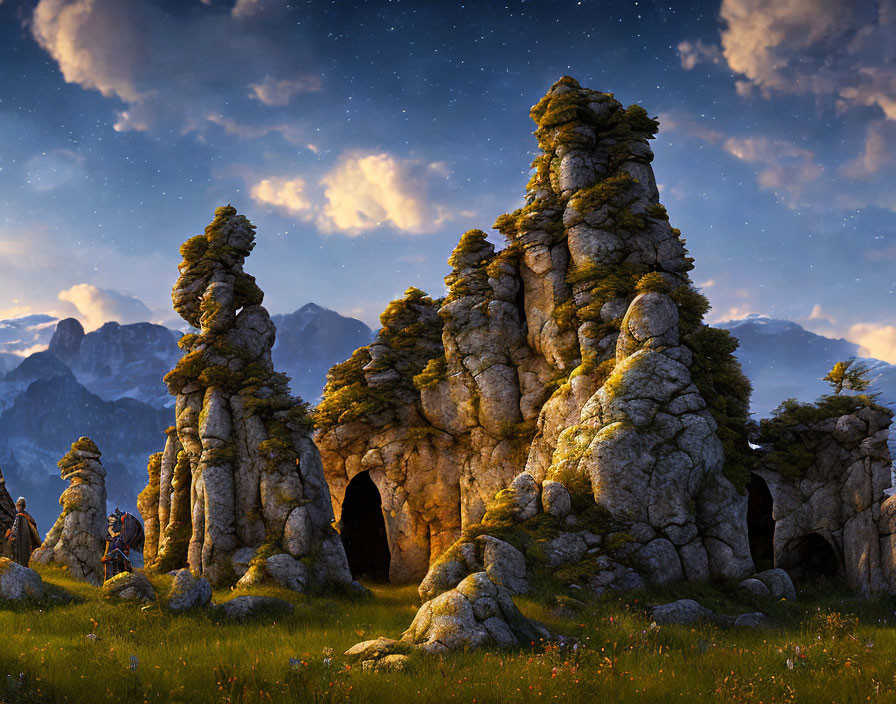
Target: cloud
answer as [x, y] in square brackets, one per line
[879, 152]
[286, 194]
[368, 191]
[689, 125]
[878, 341]
[97, 306]
[784, 168]
[272, 91]
[818, 313]
[50, 170]
[833, 48]
[168, 69]
[693, 53]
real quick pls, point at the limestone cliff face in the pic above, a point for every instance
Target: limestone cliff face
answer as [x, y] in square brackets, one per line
[827, 477]
[575, 356]
[240, 489]
[76, 540]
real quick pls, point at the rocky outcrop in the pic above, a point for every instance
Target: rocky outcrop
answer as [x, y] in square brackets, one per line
[76, 540]
[827, 466]
[575, 379]
[129, 586]
[241, 450]
[476, 613]
[17, 582]
[188, 591]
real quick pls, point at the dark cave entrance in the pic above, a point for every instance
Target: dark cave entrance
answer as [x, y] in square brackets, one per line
[760, 524]
[812, 557]
[363, 530]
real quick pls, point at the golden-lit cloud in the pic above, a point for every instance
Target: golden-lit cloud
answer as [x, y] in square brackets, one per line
[368, 191]
[282, 193]
[97, 306]
[878, 341]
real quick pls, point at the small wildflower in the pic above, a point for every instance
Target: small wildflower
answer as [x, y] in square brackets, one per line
[132, 666]
[294, 664]
[789, 664]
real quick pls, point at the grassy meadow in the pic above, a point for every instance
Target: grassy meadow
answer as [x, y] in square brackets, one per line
[826, 647]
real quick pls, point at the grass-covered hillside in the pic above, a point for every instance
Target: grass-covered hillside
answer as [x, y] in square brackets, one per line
[77, 647]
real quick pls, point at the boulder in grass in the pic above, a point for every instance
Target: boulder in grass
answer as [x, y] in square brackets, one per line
[682, 612]
[17, 582]
[129, 586]
[244, 607]
[188, 591]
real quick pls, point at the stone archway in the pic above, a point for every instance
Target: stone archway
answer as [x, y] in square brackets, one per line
[363, 530]
[811, 557]
[760, 524]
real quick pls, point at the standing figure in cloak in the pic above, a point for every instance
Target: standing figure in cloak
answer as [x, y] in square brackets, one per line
[125, 532]
[23, 534]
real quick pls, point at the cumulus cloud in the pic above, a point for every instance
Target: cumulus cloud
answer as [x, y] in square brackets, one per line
[97, 306]
[834, 48]
[168, 71]
[784, 168]
[286, 194]
[878, 341]
[368, 191]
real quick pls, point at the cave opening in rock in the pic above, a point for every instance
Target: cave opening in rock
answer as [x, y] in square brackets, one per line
[363, 530]
[760, 524]
[811, 557]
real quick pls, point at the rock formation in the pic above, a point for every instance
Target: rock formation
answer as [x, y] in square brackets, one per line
[827, 467]
[476, 613]
[240, 486]
[7, 515]
[574, 376]
[75, 542]
[17, 582]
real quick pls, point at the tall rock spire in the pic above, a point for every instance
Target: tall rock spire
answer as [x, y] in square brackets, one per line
[575, 358]
[259, 505]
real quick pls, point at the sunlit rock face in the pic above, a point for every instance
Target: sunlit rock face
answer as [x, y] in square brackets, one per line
[238, 493]
[569, 373]
[76, 540]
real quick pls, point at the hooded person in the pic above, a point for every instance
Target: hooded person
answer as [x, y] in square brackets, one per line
[23, 534]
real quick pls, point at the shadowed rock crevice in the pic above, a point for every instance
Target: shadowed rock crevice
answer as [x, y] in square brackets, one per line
[760, 523]
[363, 530]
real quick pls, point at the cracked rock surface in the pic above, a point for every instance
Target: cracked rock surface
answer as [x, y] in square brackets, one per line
[76, 540]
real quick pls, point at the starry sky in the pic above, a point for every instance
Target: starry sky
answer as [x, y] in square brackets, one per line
[363, 138]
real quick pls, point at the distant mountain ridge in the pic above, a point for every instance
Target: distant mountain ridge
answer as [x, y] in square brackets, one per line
[108, 384]
[784, 360]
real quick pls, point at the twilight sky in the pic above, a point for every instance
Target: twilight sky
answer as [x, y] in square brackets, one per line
[362, 139]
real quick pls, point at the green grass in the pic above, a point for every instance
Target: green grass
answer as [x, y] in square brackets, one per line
[828, 648]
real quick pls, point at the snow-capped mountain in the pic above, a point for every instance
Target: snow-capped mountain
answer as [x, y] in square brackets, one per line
[784, 360]
[30, 332]
[107, 384]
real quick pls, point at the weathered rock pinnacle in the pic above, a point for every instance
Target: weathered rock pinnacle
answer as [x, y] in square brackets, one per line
[241, 452]
[576, 360]
[75, 541]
